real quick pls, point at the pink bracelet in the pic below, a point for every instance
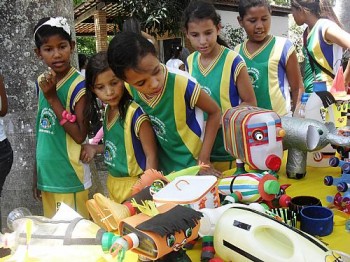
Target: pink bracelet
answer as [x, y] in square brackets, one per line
[66, 116]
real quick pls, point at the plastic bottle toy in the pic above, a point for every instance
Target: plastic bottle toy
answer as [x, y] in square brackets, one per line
[343, 182]
[107, 213]
[157, 232]
[254, 135]
[307, 135]
[281, 199]
[242, 234]
[250, 187]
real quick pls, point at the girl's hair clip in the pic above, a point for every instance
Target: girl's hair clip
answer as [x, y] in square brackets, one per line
[59, 22]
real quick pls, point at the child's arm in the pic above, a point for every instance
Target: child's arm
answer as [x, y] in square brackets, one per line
[149, 145]
[36, 191]
[334, 34]
[294, 79]
[337, 35]
[78, 129]
[208, 105]
[245, 88]
[88, 152]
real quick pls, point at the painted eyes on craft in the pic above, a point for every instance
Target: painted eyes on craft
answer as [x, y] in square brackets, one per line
[341, 107]
[258, 135]
[170, 240]
[188, 232]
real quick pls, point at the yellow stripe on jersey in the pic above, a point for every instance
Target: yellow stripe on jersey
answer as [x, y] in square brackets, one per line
[279, 101]
[133, 167]
[64, 79]
[138, 124]
[190, 139]
[190, 62]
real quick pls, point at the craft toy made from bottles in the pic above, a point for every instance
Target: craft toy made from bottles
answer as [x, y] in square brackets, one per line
[341, 200]
[304, 135]
[196, 192]
[157, 231]
[65, 237]
[242, 234]
[107, 213]
[249, 187]
[254, 135]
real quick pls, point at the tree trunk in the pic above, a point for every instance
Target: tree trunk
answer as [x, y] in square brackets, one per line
[341, 9]
[21, 67]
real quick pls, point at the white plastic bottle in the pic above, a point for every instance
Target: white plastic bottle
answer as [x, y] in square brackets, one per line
[300, 111]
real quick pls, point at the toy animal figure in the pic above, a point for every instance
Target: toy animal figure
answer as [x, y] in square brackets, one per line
[254, 135]
[306, 135]
[157, 236]
[242, 234]
[107, 213]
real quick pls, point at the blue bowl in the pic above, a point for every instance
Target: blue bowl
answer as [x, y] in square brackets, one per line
[316, 220]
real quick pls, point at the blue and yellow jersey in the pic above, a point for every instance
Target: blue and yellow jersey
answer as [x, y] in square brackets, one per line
[219, 81]
[177, 122]
[267, 70]
[123, 153]
[59, 169]
[328, 55]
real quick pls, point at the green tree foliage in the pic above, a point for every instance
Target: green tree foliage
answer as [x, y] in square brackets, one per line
[86, 45]
[280, 2]
[233, 36]
[157, 16]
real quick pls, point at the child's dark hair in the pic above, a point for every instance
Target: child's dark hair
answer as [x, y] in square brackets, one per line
[320, 8]
[200, 9]
[125, 51]
[98, 64]
[176, 51]
[82, 60]
[312, 5]
[244, 5]
[132, 24]
[42, 34]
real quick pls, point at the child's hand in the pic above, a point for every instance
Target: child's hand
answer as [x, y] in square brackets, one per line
[48, 83]
[36, 193]
[208, 170]
[87, 153]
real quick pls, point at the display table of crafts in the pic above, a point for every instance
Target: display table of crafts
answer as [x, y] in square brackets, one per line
[311, 185]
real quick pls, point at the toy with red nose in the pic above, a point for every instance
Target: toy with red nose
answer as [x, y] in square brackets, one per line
[254, 135]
